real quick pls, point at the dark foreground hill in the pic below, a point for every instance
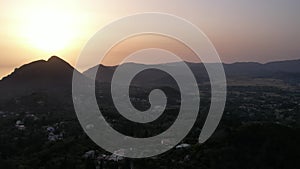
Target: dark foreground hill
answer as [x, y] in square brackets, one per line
[53, 77]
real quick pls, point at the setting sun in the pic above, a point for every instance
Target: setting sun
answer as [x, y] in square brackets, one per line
[49, 30]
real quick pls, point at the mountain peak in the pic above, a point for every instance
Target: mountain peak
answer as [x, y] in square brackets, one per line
[41, 69]
[54, 59]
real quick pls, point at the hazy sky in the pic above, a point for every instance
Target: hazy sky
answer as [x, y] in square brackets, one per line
[241, 30]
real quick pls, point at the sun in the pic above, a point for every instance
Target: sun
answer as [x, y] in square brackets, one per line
[49, 30]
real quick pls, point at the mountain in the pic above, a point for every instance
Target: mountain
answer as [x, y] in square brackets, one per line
[41, 69]
[288, 71]
[53, 77]
[257, 69]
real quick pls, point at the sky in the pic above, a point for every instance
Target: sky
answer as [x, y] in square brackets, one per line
[241, 30]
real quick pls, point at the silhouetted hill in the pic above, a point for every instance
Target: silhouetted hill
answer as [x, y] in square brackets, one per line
[289, 66]
[257, 69]
[288, 71]
[41, 71]
[52, 76]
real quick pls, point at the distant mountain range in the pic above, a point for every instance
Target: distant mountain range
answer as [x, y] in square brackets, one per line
[54, 76]
[288, 71]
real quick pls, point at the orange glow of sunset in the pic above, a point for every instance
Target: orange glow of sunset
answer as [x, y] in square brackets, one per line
[49, 30]
[35, 30]
[241, 31]
[146, 41]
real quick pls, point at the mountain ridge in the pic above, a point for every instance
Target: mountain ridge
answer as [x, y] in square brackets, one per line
[56, 60]
[278, 69]
[54, 76]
